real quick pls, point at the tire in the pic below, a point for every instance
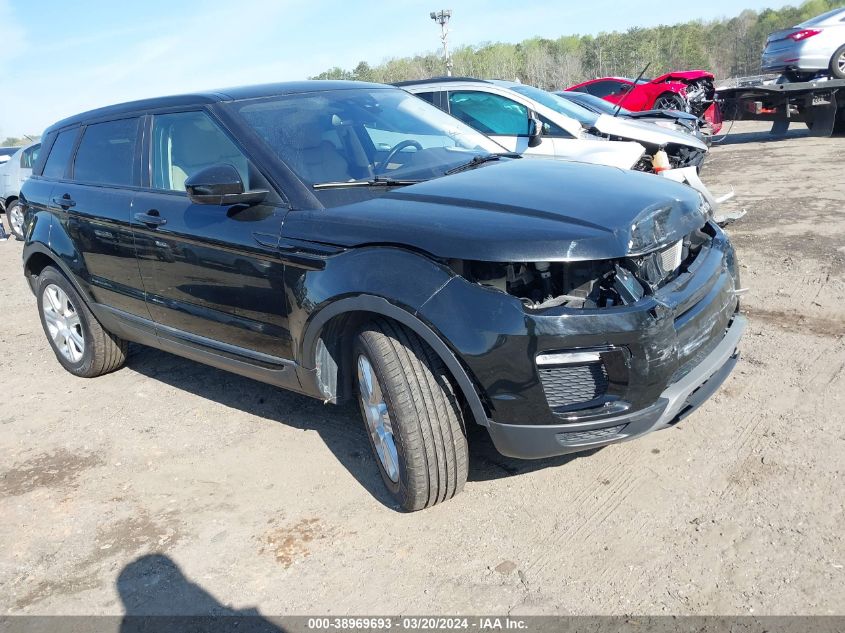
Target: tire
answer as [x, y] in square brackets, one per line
[837, 63]
[14, 218]
[410, 394]
[80, 343]
[670, 101]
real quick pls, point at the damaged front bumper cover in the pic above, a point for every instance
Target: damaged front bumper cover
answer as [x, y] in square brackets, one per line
[676, 402]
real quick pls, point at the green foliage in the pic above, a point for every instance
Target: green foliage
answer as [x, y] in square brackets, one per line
[14, 141]
[729, 47]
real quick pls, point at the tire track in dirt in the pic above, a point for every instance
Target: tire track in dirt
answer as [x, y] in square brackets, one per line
[593, 504]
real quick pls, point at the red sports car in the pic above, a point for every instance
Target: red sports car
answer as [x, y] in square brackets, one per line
[689, 91]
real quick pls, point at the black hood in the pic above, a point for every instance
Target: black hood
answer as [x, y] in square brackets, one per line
[520, 210]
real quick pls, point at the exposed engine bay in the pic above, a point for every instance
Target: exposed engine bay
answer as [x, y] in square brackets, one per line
[701, 93]
[588, 284]
[679, 157]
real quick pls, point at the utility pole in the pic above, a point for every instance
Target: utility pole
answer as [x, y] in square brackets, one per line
[442, 18]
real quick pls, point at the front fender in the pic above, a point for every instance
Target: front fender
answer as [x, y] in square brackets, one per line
[380, 280]
[400, 277]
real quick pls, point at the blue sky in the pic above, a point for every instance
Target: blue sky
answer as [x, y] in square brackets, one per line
[61, 57]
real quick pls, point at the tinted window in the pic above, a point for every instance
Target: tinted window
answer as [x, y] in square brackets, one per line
[605, 88]
[489, 113]
[426, 96]
[59, 157]
[29, 156]
[186, 142]
[106, 153]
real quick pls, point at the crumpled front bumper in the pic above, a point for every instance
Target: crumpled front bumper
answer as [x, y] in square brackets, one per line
[676, 402]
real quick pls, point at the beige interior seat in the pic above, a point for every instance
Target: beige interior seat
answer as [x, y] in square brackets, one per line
[313, 157]
[200, 145]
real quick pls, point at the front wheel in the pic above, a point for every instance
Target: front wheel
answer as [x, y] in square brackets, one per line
[412, 415]
[669, 101]
[80, 343]
[14, 214]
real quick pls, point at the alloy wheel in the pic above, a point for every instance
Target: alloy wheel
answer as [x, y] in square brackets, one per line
[377, 418]
[63, 323]
[16, 219]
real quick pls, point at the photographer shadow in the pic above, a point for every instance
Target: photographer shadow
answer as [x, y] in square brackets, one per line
[158, 598]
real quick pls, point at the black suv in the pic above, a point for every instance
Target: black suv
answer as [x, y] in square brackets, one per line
[342, 240]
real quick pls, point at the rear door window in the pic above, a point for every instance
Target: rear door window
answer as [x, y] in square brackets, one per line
[489, 113]
[106, 153]
[59, 158]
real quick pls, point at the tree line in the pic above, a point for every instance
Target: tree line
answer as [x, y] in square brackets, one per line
[18, 141]
[729, 47]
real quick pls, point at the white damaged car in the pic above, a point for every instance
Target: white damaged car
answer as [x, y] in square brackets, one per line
[534, 122]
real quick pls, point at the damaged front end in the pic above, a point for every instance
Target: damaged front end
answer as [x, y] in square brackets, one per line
[588, 284]
[602, 351]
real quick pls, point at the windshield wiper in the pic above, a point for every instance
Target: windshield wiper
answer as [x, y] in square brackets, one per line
[480, 160]
[378, 181]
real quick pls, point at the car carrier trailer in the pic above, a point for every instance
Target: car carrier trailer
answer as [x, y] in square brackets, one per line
[819, 103]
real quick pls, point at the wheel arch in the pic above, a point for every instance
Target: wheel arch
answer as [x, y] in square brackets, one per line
[327, 347]
[37, 257]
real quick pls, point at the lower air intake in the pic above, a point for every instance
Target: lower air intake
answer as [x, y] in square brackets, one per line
[571, 385]
[585, 437]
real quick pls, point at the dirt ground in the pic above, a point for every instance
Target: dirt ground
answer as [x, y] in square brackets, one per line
[169, 487]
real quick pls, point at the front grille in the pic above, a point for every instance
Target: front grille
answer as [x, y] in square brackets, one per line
[583, 437]
[573, 384]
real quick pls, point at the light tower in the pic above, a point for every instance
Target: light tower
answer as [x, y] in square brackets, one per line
[442, 18]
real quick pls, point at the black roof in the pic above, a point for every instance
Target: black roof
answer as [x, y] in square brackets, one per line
[214, 96]
[416, 82]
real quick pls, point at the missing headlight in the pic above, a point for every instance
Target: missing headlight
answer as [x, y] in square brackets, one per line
[541, 285]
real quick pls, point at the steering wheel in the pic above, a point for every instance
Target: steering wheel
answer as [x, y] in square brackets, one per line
[379, 169]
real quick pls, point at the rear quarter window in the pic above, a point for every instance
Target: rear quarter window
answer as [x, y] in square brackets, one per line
[59, 158]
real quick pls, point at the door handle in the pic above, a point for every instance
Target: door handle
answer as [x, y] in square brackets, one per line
[65, 201]
[151, 218]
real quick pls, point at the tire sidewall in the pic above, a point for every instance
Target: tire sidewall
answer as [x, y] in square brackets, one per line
[834, 68]
[18, 236]
[677, 100]
[52, 276]
[397, 488]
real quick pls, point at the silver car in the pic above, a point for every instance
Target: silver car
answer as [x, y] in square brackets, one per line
[13, 173]
[817, 45]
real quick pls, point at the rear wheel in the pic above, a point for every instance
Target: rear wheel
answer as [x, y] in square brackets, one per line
[14, 215]
[837, 63]
[412, 415]
[669, 101]
[80, 343]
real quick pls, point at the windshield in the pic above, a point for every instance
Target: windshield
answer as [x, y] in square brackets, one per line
[345, 136]
[558, 104]
[594, 103]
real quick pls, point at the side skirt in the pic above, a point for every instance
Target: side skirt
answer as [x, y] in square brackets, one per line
[272, 370]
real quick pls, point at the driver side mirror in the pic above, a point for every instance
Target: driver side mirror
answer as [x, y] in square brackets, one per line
[221, 185]
[535, 130]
